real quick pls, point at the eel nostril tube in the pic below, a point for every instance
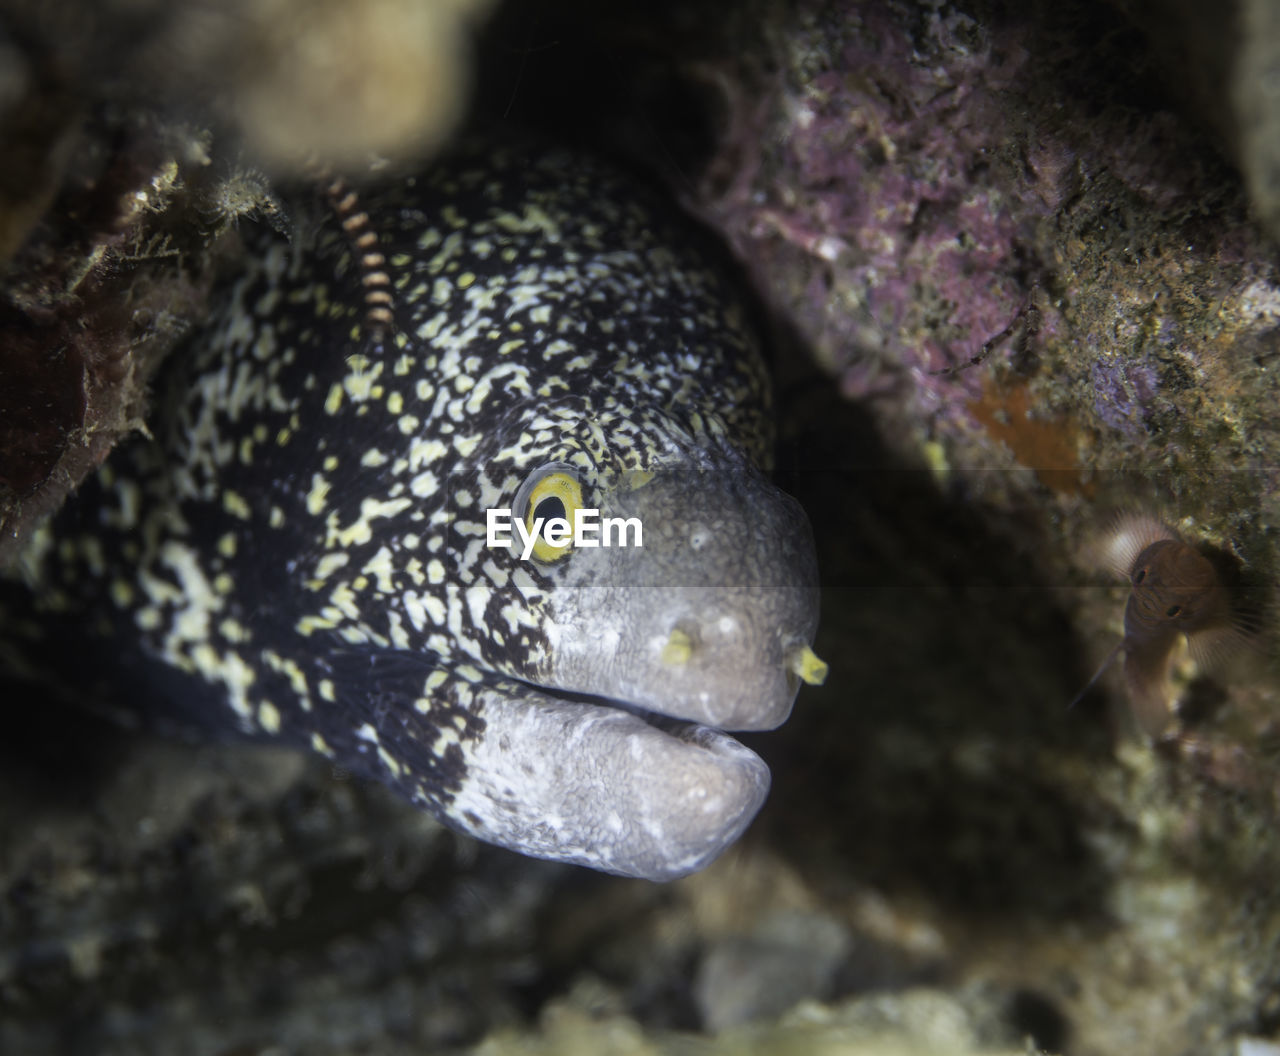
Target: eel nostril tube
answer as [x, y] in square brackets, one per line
[804, 663]
[678, 649]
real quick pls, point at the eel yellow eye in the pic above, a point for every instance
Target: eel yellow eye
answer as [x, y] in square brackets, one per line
[551, 504]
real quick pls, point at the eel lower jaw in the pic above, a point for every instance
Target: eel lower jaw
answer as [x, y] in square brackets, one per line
[602, 784]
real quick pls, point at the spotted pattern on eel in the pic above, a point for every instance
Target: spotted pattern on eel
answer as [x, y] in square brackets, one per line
[300, 553]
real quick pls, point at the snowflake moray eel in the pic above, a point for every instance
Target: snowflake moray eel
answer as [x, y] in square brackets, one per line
[301, 553]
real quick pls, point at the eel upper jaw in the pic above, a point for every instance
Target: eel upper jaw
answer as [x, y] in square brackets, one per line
[708, 621]
[730, 666]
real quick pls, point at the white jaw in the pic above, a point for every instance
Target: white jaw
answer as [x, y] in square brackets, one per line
[601, 787]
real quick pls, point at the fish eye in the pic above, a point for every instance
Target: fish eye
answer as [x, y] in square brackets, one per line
[1139, 576]
[550, 492]
[1173, 611]
[551, 506]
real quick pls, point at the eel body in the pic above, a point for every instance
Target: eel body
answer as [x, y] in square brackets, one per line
[302, 551]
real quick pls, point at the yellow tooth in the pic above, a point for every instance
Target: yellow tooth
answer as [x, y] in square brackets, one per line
[805, 663]
[678, 649]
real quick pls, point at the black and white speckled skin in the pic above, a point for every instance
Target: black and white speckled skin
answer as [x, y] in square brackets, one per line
[301, 551]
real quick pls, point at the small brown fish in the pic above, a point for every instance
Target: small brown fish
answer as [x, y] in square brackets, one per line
[1176, 596]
